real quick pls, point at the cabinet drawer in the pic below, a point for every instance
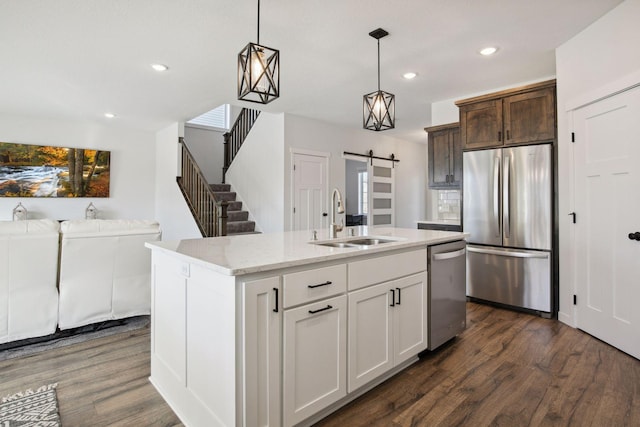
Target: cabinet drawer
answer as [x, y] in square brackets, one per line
[376, 270]
[311, 285]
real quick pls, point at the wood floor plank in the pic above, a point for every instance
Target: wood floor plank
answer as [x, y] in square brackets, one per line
[506, 369]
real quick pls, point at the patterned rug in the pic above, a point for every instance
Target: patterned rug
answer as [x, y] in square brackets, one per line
[31, 408]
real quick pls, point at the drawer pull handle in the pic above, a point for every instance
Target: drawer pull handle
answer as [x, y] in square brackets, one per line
[399, 291]
[275, 310]
[318, 285]
[328, 307]
[393, 297]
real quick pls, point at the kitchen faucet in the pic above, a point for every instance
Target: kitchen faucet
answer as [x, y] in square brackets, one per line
[333, 232]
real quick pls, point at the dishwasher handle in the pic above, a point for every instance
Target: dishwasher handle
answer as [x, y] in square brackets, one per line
[448, 255]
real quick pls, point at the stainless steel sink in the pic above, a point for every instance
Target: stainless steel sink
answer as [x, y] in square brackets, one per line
[369, 241]
[336, 244]
[359, 242]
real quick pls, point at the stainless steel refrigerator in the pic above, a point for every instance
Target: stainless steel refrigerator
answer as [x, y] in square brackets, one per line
[507, 210]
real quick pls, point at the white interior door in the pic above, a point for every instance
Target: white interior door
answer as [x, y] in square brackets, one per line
[310, 188]
[381, 193]
[607, 204]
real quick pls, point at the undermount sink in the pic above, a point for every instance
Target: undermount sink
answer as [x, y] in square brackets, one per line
[370, 241]
[337, 244]
[355, 243]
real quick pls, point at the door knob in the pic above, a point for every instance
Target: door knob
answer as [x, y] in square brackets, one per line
[324, 214]
[635, 236]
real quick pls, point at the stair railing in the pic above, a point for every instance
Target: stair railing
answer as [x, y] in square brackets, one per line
[209, 213]
[235, 137]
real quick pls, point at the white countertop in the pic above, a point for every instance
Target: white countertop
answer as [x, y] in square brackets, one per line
[252, 253]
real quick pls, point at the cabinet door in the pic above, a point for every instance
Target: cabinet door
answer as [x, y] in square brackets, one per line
[439, 159]
[262, 352]
[481, 124]
[315, 358]
[530, 117]
[370, 345]
[409, 316]
[456, 158]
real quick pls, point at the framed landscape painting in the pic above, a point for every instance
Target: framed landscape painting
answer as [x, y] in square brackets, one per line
[46, 171]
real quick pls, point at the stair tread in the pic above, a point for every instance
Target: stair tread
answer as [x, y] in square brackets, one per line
[220, 187]
[227, 196]
[240, 226]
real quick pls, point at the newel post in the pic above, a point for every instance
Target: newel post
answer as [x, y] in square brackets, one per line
[222, 218]
[227, 155]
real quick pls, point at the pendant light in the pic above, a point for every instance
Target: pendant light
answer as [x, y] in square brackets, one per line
[258, 72]
[379, 107]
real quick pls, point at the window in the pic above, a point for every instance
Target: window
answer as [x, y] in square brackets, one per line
[217, 118]
[363, 193]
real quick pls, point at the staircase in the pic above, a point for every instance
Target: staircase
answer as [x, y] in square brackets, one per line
[214, 206]
[237, 219]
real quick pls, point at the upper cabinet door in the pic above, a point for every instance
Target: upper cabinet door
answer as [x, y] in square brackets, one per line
[439, 159]
[445, 156]
[530, 117]
[481, 124]
[456, 158]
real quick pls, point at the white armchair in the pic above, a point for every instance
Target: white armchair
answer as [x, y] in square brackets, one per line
[105, 270]
[28, 275]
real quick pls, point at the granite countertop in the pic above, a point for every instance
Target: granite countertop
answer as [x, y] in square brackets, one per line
[252, 253]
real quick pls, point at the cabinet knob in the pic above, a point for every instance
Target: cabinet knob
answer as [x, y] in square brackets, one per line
[635, 236]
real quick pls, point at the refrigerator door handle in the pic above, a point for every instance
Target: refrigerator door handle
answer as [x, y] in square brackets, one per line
[513, 254]
[448, 255]
[506, 206]
[496, 194]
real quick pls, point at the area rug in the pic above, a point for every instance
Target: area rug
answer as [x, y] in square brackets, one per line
[31, 408]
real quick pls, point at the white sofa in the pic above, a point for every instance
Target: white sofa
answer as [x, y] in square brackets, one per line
[105, 270]
[28, 275]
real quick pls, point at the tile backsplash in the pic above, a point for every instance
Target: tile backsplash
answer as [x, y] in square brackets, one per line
[448, 204]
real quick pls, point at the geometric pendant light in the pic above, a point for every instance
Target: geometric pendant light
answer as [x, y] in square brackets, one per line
[379, 107]
[258, 72]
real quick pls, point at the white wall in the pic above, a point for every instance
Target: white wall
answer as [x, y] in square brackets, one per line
[604, 52]
[131, 193]
[351, 194]
[207, 146]
[305, 133]
[171, 209]
[257, 173]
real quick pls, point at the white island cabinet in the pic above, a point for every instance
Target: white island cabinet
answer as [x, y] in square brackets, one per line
[271, 330]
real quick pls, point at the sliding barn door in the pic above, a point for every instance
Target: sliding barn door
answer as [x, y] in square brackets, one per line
[381, 196]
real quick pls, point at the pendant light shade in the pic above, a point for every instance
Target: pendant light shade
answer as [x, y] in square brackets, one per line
[258, 72]
[379, 107]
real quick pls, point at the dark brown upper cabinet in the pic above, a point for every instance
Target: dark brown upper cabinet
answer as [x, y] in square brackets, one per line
[525, 115]
[445, 156]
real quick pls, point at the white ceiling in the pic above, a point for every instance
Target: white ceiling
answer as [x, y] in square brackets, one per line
[77, 59]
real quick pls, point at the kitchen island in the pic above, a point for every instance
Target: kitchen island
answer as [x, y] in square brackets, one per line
[279, 329]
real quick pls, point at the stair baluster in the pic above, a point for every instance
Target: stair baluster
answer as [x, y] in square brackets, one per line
[235, 137]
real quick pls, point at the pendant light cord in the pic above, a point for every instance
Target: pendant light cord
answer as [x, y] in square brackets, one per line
[378, 64]
[259, 23]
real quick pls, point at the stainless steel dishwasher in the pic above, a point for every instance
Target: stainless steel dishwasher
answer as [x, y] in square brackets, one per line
[447, 292]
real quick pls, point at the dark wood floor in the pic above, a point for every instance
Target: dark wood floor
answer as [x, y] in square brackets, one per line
[506, 369]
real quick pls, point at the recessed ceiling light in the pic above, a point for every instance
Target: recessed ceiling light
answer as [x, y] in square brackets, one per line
[159, 67]
[109, 115]
[488, 51]
[409, 75]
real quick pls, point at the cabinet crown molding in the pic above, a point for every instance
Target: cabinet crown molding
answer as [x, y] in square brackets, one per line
[442, 127]
[508, 92]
